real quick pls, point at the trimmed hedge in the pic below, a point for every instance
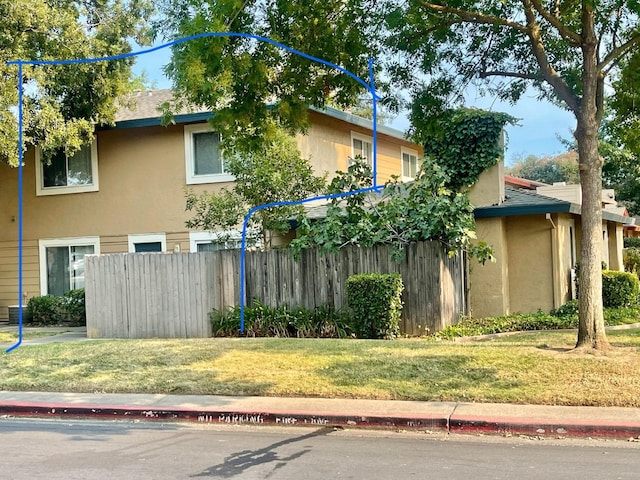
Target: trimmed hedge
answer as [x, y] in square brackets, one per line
[376, 305]
[263, 321]
[619, 289]
[51, 310]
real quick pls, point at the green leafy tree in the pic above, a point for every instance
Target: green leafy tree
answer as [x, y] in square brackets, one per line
[403, 213]
[547, 169]
[62, 103]
[275, 172]
[247, 82]
[566, 50]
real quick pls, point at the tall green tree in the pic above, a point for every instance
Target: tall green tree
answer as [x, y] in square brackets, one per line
[62, 103]
[547, 169]
[275, 172]
[564, 49]
[246, 82]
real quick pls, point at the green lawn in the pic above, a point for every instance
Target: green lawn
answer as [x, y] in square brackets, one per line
[533, 368]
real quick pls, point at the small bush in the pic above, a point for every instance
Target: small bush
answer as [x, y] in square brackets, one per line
[52, 310]
[45, 310]
[619, 289]
[263, 321]
[631, 242]
[508, 323]
[569, 308]
[631, 257]
[376, 305]
[73, 307]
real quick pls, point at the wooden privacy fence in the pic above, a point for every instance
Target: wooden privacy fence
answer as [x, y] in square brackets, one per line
[170, 295]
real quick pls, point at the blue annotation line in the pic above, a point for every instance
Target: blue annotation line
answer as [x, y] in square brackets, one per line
[370, 86]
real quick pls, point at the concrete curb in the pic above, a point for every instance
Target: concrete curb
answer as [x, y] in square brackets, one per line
[225, 416]
[465, 418]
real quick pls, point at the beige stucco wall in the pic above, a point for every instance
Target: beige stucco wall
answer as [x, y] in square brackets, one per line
[489, 189]
[489, 283]
[142, 178]
[530, 263]
[532, 268]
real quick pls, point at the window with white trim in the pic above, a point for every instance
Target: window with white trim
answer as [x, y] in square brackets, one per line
[147, 242]
[409, 164]
[203, 158]
[62, 174]
[362, 146]
[225, 240]
[62, 263]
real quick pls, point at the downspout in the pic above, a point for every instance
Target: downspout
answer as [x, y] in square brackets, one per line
[554, 261]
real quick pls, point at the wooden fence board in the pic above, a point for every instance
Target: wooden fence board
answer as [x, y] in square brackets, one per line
[171, 295]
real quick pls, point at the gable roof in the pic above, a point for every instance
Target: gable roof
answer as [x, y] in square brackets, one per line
[145, 112]
[522, 202]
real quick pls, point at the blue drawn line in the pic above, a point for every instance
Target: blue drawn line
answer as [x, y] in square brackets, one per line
[20, 259]
[369, 86]
[245, 225]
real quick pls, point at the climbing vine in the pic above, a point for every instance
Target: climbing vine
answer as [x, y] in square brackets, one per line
[435, 206]
[464, 142]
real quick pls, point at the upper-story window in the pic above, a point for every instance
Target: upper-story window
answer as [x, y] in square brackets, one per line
[409, 164]
[362, 146]
[68, 174]
[204, 161]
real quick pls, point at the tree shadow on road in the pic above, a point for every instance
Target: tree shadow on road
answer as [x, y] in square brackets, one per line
[238, 463]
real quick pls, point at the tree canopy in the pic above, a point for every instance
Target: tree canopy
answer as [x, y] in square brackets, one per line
[275, 172]
[62, 103]
[565, 50]
[245, 81]
[547, 169]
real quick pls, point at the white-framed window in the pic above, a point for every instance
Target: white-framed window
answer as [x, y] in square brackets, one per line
[362, 145]
[147, 242]
[75, 174]
[409, 163]
[203, 158]
[62, 263]
[225, 240]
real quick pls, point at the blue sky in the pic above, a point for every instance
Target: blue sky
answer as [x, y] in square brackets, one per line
[540, 122]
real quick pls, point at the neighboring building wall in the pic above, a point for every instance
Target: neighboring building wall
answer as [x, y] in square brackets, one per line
[489, 283]
[616, 243]
[530, 240]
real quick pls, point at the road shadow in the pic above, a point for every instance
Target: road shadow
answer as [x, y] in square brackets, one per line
[238, 463]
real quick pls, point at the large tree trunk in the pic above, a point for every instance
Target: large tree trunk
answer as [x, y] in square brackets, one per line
[591, 333]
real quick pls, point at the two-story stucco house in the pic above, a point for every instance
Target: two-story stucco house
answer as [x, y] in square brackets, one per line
[125, 193]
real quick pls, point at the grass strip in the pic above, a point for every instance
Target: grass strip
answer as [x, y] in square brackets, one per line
[523, 368]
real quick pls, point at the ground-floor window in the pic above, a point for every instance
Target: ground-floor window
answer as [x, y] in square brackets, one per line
[214, 241]
[147, 242]
[62, 263]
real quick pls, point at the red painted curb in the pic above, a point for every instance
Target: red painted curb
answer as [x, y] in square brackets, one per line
[543, 427]
[221, 416]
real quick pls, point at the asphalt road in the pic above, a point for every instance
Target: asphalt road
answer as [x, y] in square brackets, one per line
[63, 449]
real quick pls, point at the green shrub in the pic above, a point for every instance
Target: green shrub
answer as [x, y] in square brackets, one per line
[263, 321]
[376, 305]
[73, 307]
[52, 310]
[619, 289]
[631, 242]
[508, 323]
[631, 257]
[569, 308]
[45, 310]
